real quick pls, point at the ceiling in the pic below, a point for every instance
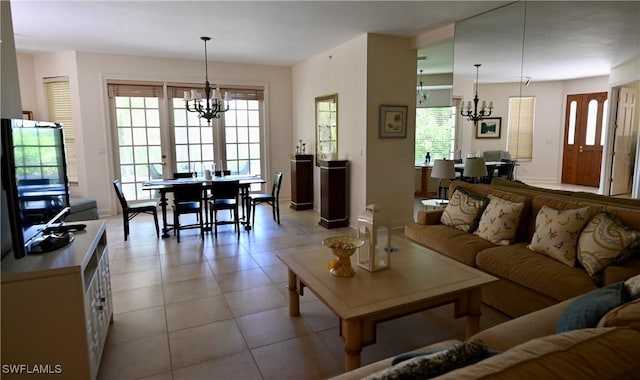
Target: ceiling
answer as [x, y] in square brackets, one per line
[289, 32]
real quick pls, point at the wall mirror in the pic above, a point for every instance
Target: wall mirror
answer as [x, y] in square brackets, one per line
[326, 128]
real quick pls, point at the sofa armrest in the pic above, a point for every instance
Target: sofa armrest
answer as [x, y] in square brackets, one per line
[429, 216]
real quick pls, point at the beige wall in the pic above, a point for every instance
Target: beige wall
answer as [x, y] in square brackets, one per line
[365, 72]
[88, 74]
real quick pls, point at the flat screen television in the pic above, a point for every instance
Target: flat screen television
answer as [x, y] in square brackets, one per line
[34, 181]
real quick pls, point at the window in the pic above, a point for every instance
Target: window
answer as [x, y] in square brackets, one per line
[137, 122]
[435, 133]
[520, 127]
[59, 102]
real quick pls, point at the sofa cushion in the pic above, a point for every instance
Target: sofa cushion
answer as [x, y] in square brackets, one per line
[499, 221]
[604, 239]
[463, 210]
[625, 315]
[435, 364]
[587, 310]
[604, 353]
[448, 241]
[534, 271]
[557, 231]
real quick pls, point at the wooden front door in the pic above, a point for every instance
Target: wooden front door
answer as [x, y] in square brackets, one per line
[584, 138]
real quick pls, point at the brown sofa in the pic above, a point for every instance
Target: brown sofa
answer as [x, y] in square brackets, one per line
[528, 281]
[531, 349]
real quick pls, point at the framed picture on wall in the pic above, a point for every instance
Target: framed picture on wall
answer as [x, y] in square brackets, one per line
[393, 121]
[489, 128]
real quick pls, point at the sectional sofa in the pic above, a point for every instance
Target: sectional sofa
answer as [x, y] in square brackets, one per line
[528, 279]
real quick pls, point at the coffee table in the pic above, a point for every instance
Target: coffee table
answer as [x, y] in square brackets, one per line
[419, 279]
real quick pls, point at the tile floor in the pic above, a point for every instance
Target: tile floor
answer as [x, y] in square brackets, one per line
[217, 309]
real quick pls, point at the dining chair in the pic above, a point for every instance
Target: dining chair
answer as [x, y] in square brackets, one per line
[224, 196]
[272, 199]
[219, 173]
[506, 169]
[131, 211]
[184, 175]
[187, 199]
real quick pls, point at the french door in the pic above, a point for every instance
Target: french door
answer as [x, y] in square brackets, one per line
[156, 137]
[585, 127]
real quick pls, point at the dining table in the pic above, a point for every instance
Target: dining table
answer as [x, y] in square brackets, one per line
[164, 186]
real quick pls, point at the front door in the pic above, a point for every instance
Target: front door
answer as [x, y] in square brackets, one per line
[584, 138]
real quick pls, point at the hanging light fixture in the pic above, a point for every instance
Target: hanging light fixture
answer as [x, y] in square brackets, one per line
[477, 114]
[212, 104]
[422, 94]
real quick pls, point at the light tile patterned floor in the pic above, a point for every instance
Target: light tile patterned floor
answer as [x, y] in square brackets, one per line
[217, 309]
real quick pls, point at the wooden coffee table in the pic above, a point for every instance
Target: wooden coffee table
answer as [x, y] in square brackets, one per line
[419, 279]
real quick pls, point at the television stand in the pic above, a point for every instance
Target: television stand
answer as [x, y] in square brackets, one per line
[57, 307]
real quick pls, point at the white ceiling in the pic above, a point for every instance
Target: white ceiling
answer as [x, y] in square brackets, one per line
[288, 32]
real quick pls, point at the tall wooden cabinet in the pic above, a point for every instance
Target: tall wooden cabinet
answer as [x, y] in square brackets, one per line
[333, 193]
[56, 308]
[302, 182]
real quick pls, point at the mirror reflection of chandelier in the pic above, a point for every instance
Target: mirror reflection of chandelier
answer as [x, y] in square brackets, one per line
[422, 94]
[210, 104]
[477, 114]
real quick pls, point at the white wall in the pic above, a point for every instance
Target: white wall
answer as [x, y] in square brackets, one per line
[88, 73]
[340, 70]
[365, 72]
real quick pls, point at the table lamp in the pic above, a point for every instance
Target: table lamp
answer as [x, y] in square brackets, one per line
[474, 167]
[443, 169]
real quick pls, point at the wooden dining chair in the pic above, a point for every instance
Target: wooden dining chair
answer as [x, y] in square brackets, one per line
[131, 211]
[219, 173]
[224, 196]
[272, 199]
[187, 199]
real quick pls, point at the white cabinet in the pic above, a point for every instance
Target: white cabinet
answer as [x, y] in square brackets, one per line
[56, 309]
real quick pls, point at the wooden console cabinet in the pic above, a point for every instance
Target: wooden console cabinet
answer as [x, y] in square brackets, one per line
[333, 193]
[56, 309]
[302, 182]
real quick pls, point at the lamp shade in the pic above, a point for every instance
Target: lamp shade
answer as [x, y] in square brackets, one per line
[474, 167]
[443, 169]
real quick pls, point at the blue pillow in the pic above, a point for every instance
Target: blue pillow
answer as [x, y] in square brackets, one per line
[587, 310]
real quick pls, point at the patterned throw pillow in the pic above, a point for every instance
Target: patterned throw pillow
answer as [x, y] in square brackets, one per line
[438, 363]
[557, 233]
[463, 210]
[499, 221]
[603, 239]
[633, 286]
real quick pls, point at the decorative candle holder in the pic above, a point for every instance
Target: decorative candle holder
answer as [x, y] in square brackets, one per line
[373, 229]
[343, 247]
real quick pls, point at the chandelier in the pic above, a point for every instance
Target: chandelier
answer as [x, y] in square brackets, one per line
[477, 114]
[211, 105]
[422, 94]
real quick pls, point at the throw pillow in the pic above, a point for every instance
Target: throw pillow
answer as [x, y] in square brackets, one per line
[633, 286]
[499, 221]
[587, 310]
[603, 239]
[435, 364]
[625, 315]
[463, 210]
[557, 233]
